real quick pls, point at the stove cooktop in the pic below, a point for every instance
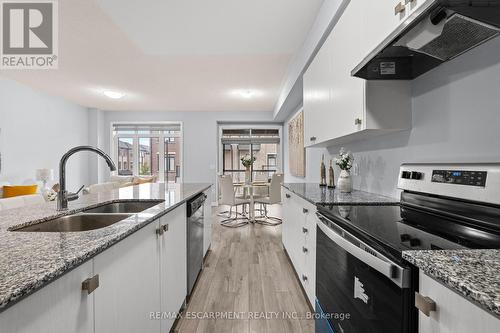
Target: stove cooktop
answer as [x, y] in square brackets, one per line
[393, 229]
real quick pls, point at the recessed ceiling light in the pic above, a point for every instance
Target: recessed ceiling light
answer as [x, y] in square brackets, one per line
[113, 94]
[245, 93]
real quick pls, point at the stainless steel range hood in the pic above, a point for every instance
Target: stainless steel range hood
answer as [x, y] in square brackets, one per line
[437, 32]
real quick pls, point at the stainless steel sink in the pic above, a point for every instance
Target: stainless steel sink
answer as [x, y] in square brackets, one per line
[77, 222]
[124, 207]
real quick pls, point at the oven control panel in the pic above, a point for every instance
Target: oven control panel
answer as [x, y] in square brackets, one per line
[460, 177]
[478, 182]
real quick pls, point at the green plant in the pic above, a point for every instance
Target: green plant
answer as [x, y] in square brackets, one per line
[344, 160]
[144, 169]
[247, 160]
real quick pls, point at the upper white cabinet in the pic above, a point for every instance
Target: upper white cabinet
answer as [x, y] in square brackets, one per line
[379, 19]
[338, 107]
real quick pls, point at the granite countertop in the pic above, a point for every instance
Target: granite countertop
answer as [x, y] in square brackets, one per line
[30, 260]
[317, 195]
[474, 274]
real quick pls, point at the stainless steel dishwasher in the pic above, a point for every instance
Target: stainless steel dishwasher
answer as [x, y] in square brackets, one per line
[195, 219]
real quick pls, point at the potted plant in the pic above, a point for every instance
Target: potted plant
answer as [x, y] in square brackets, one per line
[247, 162]
[344, 160]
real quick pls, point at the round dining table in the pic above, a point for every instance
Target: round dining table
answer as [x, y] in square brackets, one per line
[248, 189]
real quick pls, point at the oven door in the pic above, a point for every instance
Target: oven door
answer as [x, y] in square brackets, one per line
[358, 290]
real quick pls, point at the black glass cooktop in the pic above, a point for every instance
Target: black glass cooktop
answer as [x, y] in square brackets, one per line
[393, 229]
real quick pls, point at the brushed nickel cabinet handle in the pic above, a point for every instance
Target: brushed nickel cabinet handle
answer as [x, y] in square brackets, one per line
[90, 284]
[160, 231]
[425, 304]
[313, 138]
[287, 195]
[400, 8]
[304, 230]
[304, 278]
[305, 210]
[165, 227]
[357, 121]
[304, 249]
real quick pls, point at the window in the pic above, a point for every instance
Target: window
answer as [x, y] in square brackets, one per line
[262, 143]
[138, 149]
[171, 162]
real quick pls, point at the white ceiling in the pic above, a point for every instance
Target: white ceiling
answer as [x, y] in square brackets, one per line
[182, 55]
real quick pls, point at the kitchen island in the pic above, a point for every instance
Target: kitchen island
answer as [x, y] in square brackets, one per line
[31, 261]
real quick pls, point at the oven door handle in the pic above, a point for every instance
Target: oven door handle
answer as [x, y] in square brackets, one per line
[378, 262]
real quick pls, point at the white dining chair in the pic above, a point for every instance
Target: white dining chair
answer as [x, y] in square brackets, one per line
[228, 198]
[273, 198]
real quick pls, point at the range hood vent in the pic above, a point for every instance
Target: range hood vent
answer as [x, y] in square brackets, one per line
[437, 33]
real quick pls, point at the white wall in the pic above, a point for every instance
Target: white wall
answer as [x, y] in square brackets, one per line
[36, 130]
[456, 118]
[313, 158]
[200, 136]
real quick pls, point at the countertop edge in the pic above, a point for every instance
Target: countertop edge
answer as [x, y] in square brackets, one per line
[389, 201]
[71, 265]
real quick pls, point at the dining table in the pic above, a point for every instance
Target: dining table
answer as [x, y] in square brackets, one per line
[248, 191]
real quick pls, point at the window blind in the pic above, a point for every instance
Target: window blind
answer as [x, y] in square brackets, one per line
[176, 127]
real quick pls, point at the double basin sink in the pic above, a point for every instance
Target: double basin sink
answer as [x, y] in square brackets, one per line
[92, 218]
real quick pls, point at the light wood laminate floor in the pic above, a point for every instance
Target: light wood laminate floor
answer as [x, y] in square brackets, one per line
[247, 274]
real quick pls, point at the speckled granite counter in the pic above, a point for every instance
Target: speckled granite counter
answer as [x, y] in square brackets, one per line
[315, 194]
[30, 260]
[475, 274]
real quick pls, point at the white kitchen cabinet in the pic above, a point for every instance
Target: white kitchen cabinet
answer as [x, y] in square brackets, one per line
[299, 239]
[129, 290]
[454, 313]
[207, 224]
[309, 231]
[379, 19]
[59, 307]
[316, 97]
[173, 263]
[339, 108]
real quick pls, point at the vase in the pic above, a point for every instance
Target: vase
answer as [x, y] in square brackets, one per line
[248, 176]
[344, 183]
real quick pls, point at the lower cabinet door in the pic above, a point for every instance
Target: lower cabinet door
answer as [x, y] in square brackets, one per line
[60, 307]
[310, 262]
[173, 262]
[454, 313]
[207, 224]
[129, 286]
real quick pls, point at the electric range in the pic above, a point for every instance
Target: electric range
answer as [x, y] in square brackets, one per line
[360, 270]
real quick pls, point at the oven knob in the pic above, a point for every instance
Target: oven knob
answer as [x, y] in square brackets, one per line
[416, 175]
[405, 237]
[414, 242]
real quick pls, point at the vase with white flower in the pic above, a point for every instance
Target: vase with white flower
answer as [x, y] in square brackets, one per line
[345, 161]
[247, 162]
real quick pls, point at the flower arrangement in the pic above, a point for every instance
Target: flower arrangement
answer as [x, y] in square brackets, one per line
[247, 160]
[344, 160]
[51, 195]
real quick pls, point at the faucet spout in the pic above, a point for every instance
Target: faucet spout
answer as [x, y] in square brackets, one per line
[62, 198]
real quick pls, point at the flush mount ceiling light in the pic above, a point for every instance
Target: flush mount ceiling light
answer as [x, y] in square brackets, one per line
[245, 93]
[113, 94]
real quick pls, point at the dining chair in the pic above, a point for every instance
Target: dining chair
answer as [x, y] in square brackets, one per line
[228, 198]
[273, 198]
